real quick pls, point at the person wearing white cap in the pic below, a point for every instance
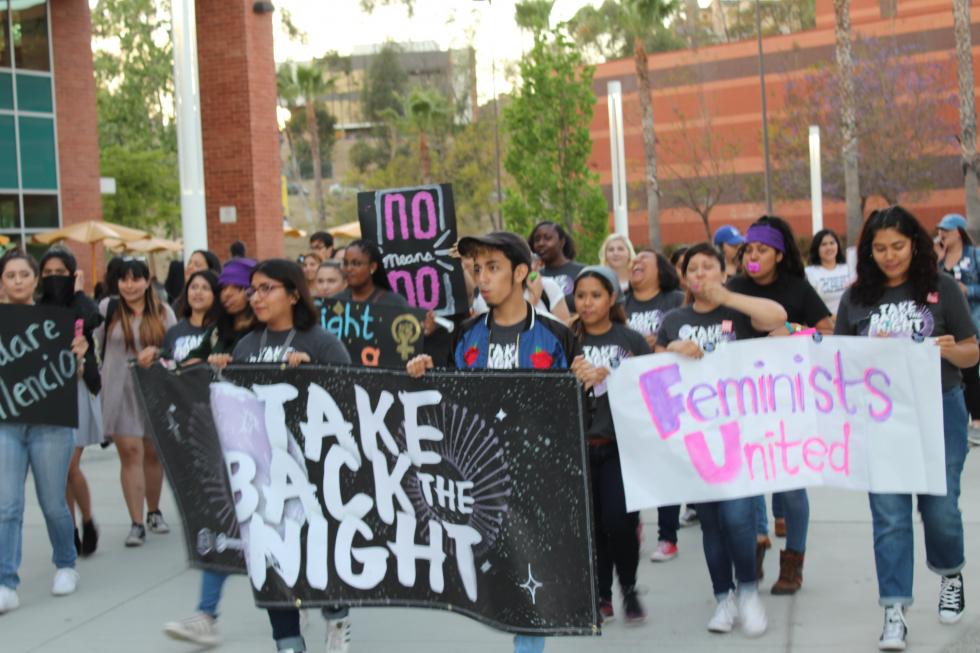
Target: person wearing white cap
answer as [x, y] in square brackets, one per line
[960, 260]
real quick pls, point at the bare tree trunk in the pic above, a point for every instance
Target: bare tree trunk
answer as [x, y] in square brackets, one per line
[849, 148]
[968, 112]
[649, 146]
[424, 158]
[313, 131]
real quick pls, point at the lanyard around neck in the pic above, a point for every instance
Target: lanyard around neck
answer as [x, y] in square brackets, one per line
[285, 346]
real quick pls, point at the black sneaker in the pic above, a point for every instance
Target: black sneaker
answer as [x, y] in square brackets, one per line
[952, 601]
[90, 538]
[633, 609]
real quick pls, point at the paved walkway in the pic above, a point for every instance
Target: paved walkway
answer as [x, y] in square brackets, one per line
[126, 595]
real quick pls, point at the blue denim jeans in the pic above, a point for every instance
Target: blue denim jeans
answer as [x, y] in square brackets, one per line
[47, 450]
[528, 644]
[728, 533]
[212, 583]
[794, 507]
[941, 518]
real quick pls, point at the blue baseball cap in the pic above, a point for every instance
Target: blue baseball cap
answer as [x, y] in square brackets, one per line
[728, 235]
[951, 222]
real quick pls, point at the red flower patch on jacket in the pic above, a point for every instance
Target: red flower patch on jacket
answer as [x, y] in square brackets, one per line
[541, 359]
[471, 355]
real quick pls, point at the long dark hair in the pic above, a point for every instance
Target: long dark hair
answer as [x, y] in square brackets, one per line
[174, 285]
[616, 312]
[666, 274]
[815, 246]
[923, 270]
[290, 275]
[152, 325]
[379, 277]
[792, 263]
[214, 263]
[568, 249]
[17, 253]
[211, 316]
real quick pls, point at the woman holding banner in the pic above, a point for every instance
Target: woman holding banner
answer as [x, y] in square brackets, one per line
[60, 287]
[900, 293]
[774, 270]
[713, 316]
[601, 330]
[47, 450]
[134, 321]
[200, 309]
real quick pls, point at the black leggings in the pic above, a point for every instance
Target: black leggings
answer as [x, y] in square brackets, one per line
[285, 629]
[971, 390]
[617, 541]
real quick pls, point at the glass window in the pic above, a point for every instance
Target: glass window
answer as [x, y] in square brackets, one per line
[8, 153]
[9, 212]
[38, 168]
[34, 93]
[40, 211]
[6, 90]
[30, 34]
[4, 36]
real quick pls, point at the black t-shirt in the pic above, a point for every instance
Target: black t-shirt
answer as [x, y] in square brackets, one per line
[897, 314]
[645, 317]
[709, 330]
[608, 350]
[564, 275]
[320, 346]
[502, 352]
[802, 303]
[181, 339]
[379, 296]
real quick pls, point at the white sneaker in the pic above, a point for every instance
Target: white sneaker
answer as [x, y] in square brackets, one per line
[338, 635]
[198, 628]
[896, 630]
[973, 435]
[752, 614]
[65, 582]
[726, 612]
[156, 523]
[689, 517]
[8, 599]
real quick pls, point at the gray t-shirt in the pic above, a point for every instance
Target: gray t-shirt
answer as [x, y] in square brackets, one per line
[182, 339]
[709, 330]
[502, 354]
[320, 346]
[645, 317]
[898, 315]
[564, 275]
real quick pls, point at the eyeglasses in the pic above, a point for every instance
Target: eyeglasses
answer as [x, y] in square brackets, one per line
[263, 290]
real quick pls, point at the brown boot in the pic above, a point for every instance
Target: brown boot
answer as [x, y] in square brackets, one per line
[790, 573]
[780, 525]
[762, 544]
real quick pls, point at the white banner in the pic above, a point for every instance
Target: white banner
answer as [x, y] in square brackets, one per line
[774, 414]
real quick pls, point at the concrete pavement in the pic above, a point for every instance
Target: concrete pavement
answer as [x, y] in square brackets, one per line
[126, 595]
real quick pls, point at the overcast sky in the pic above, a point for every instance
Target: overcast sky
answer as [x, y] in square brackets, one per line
[341, 25]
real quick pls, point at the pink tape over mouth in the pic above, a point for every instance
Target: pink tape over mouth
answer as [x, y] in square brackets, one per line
[753, 267]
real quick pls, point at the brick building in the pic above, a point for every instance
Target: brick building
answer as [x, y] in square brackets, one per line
[728, 77]
[49, 152]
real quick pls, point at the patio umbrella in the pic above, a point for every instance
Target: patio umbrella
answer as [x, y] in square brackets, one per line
[292, 232]
[4, 240]
[91, 232]
[347, 230]
[146, 245]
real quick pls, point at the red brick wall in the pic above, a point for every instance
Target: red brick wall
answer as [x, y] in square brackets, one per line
[78, 132]
[238, 117]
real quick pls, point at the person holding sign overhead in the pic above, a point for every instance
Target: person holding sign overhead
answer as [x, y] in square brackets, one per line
[900, 293]
[47, 450]
[713, 316]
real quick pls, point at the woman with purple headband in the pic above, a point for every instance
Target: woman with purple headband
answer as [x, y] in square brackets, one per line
[774, 270]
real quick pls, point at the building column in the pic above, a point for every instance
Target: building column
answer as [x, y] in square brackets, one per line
[237, 75]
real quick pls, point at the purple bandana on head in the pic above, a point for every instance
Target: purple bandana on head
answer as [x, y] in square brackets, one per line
[763, 233]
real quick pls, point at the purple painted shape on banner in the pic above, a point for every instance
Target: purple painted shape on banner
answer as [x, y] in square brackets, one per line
[390, 201]
[430, 301]
[697, 449]
[430, 214]
[665, 408]
[405, 277]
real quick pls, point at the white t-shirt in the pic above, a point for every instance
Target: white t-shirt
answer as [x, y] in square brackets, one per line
[830, 284]
[550, 287]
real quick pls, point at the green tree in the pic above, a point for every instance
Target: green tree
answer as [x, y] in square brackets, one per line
[305, 84]
[147, 190]
[298, 132]
[627, 25]
[547, 122]
[384, 84]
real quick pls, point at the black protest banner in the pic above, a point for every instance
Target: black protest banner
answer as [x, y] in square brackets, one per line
[38, 380]
[364, 487]
[376, 335]
[415, 229]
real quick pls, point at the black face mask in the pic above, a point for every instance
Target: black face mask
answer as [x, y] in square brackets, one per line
[57, 290]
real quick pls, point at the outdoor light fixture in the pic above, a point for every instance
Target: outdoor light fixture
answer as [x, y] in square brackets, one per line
[263, 7]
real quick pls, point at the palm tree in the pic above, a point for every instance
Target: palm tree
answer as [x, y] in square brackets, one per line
[968, 111]
[630, 26]
[848, 119]
[424, 108]
[306, 83]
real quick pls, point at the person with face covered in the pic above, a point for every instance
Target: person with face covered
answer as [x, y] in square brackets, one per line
[774, 270]
[60, 287]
